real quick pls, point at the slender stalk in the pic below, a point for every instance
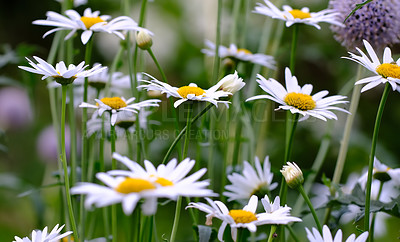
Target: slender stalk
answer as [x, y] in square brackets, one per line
[290, 129]
[372, 154]
[294, 47]
[344, 144]
[271, 233]
[64, 162]
[292, 233]
[185, 149]
[288, 150]
[112, 70]
[217, 42]
[113, 167]
[183, 131]
[88, 56]
[372, 229]
[314, 214]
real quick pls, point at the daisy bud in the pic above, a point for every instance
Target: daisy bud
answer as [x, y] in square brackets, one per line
[232, 83]
[143, 40]
[293, 175]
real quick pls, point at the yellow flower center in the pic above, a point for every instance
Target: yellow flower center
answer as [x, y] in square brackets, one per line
[164, 182]
[113, 102]
[241, 216]
[300, 101]
[130, 185]
[90, 21]
[246, 51]
[186, 90]
[389, 70]
[296, 13]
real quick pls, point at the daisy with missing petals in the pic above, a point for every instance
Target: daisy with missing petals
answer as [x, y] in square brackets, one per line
[326, 236]
[114, 105]
[297, 99]
[275, 213]
[42, 236]
[239, 54]
[61, 73]
[90, 22]
[236, 218]
[185, 93]
[301, 16]
[254, 181]
[388, 71]
[128, 187]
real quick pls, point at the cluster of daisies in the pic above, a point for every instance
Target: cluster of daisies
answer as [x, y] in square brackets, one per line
[145, 185]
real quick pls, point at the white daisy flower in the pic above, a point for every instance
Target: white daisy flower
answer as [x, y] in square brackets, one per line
[254, 180]
[380, 172]
[126, 190]
[43, 236]
[236, 218]
[326, 236]
[61, 73]
[275, 213]
[185, 93]
[172, 175]
[388, 71]
[294, 16]
[90, 22]
[297, 99]
[114, 105]
[128, 187]
[240, 54]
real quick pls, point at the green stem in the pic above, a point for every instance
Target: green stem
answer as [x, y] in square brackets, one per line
[217, 43]
[294, 47]
[292, 233]
[271, 233]
[372, 154]
[153, 57]
[290, 130]
[112, 70]
[64, 162]
[236, 149]
[113, 167]
[314, 214]
[183, 131]
[84, 156]
[185, 149]
[371, 231]
[344, 144]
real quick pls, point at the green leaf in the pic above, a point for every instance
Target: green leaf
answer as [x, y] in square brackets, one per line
[358, 6]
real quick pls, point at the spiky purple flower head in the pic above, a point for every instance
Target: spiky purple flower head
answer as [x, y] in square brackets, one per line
[378, 22]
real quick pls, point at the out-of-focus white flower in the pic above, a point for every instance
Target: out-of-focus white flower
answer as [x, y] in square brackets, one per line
[43, 236]
[326, 236]
[275, 213]
[254, 180]
[298, 16]
[240, 54]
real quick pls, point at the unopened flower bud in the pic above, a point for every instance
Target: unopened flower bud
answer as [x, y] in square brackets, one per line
[293, 175]
[143, 40]
[232, 83]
